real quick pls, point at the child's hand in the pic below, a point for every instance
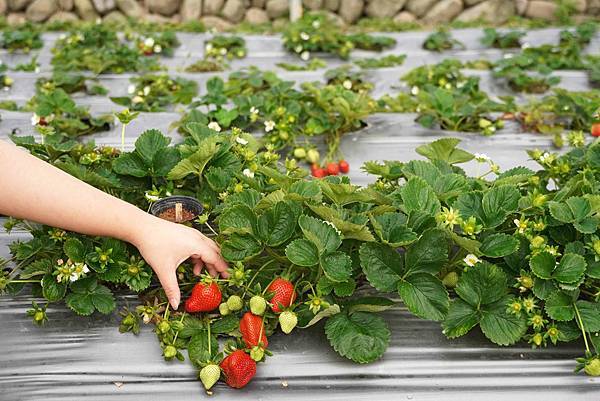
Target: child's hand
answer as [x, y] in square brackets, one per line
[165, 245]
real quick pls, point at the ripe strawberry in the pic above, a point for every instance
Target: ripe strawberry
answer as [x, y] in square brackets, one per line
[284, 294]
[287, 321]
[344, 166]
[209, 375]
[205, 298]
[314, 167]
[333, 168]
[238, 369]
[251, 327]
[596, 129]
[319, 173]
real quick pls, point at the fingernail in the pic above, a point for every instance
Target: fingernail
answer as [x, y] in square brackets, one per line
[174, 302]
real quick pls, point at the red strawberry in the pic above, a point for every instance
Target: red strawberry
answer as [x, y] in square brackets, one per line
[596, 129]
[284, 294]
[333, 168]
[344, 166]
[250, 327]
[319, 173]
[205, 298]
[238, 369]
[314, 167]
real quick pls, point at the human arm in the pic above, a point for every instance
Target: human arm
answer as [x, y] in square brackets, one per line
[34, 190]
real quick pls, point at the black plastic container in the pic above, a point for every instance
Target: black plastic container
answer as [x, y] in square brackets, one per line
[178, 209]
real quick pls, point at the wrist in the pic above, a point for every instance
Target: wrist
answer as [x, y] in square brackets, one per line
[139, 224]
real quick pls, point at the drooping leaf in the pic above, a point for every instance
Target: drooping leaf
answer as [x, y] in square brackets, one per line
[500, 326]
[461, 318]
[382, 266]
[337, 266]
[324, 236]
[361, 337]
[239, 248]
[481, 285]
[425, 296]
[302, 252]
[499, 245]
[428, 254]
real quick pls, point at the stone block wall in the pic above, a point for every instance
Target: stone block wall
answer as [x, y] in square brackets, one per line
[222, 14]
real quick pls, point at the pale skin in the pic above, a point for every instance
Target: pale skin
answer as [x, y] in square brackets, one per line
[37, 191]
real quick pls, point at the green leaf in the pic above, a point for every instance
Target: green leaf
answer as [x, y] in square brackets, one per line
[87, 295]
[542, 265]
[428, 254]
[543, 288]
[461, 318]
[392, 229]
[382, 266]
[74, 250]
[130, 164]
[570, 269]
[225, 325]
[277, 224]
[559, 306]
[239, 248]
[590, 315]
[580, 207]
[305, 190]
[302, 252]
[337, 266]
[370, 304]
[418, 195]
[52, 290]
[195, 163]
[499, 245]
[361, 337]
[324, 313]
[164, 161]
[500, 326]
[445, 149]
[149, 144]
[324, 236]
[237, 219]
[191, 327]
[425, 296]
[198, 347]
[482, 284]
[561, 212]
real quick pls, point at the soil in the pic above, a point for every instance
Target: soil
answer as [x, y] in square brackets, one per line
[169, 215]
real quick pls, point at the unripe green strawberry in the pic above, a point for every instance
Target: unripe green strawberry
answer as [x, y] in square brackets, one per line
[592, 367]
[209, 375]
[258, 305]
[287, 321]
[170, 352]
[299, 153]
[39, 316]
[164, 326]
[312, 156]
[235, 303]
[257, 353]
[224, 309]
[450, 280]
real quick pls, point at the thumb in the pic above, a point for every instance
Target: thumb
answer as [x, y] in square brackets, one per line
[168, 280]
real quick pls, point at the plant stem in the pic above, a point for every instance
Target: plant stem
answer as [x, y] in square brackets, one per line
[580, 321]
[123, 137]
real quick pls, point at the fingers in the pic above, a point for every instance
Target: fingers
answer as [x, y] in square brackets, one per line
[198, 265]
[168, 280]
[212, 259]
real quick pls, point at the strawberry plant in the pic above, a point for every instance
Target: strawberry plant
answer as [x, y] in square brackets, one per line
[520, 80]
[441, 40]
[350, 79]
[308, 35]
[25, 38]
[370, 42]
[225, 47]
[96, 48]
[383, 62]
[71, 83]
[499, 40]
[314, 64]
[161, 43]
[5, 81]
[154, 93]
[206, 65]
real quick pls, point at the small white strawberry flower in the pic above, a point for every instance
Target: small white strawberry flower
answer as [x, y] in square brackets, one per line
[304, 36]
[544, 157]
[471, 260]
[241, 141]
[208, 47]
[214, 126]
[298, 48]
[62, 36]
[35, 119]
[269, 125]
[157, 48]
[347, 84]
[253, 110]
[151, 197]
[482, 158]
[305, 55]
[146, 90]
[149, 42]
[131, 89]
[248, 173]
[414, 90]
[223, 51]
[137, 99]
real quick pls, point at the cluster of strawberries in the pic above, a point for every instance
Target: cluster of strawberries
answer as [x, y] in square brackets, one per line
[332, 168]
[239, 367]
